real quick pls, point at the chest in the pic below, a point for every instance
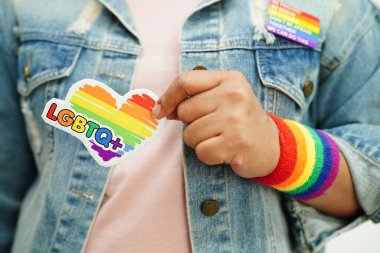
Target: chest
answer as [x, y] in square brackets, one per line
[61, 43]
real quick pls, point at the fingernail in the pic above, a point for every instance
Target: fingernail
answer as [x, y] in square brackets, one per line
[156, 110]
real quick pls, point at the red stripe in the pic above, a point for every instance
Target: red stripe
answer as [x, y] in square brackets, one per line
[288, 157]
[310, 17]
[298, 12]
[144, 100]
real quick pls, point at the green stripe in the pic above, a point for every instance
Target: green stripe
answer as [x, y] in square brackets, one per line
[319, 160]
[128, 137]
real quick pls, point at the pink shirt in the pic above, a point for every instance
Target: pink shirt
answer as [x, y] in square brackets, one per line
[144, 207]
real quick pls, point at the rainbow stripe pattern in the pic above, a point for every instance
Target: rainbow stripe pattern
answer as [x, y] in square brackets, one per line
[293, 24]
[132, 121]
[109, 125]
[309, 161]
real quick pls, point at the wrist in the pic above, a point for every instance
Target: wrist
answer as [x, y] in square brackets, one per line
[273, 153]
[308, 163]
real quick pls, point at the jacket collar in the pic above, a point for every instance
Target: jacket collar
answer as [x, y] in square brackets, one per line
[120, 9]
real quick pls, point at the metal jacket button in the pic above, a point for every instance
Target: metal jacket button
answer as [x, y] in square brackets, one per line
[210, 207]
[308, 88]
[26, 72]
[200, 68]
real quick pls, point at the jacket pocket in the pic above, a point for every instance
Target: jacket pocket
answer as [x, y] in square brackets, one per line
[42, 67]
[292, 72]
[42, 61]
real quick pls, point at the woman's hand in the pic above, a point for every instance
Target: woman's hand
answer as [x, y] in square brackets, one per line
[224, 121]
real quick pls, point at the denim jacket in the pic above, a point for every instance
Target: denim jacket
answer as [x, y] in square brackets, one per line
[51, 188]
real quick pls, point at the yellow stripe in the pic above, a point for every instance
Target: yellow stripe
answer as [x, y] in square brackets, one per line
[148, 118]
[108, 112]
[118, 113]
[295, 21]
[310, 149]
[131, 124]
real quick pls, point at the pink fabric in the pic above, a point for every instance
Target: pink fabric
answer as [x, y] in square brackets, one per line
[144, 207]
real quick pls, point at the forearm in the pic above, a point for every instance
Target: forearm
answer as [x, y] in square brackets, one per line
[340, 199]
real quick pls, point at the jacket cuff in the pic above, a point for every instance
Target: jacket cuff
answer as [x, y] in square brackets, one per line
[365, 174]
[313, 229]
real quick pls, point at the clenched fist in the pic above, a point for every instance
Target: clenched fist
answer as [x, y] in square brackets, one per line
[224, 121]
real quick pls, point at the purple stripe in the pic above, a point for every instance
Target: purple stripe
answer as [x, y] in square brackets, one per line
[333, 172]
[106, 155]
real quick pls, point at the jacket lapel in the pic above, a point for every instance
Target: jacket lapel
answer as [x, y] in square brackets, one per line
[120, 10]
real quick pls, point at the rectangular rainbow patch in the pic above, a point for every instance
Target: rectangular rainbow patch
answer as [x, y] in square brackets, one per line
[293, 24]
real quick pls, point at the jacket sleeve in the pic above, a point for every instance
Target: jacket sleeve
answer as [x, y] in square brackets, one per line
[17, 169]
[347, 106]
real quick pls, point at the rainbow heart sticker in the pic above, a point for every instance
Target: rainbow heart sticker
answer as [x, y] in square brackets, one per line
[109, 125]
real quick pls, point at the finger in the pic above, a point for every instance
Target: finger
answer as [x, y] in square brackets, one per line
[172, 116]
[186, 85]
[202, 129]
[198, 106]
[211, 151]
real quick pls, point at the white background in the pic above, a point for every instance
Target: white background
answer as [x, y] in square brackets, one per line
[363, 239]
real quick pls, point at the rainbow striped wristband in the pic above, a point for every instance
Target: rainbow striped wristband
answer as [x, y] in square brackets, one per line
[308, 164]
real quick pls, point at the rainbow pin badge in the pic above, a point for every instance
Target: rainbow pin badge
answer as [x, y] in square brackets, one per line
[293, 24]
[109, 125]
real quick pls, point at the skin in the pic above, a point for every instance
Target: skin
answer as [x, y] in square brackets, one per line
[225, 123]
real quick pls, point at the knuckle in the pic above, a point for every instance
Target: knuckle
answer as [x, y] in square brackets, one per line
[230, 145]
[184, 79]
[238, 141]
[233, 118]
[236, 74]
[202, 151]
[182, 112]
[243, 113]
[237, 162]
[167, 101]
[235, 95]
[237, 165]
[241, 141]
[187, 137]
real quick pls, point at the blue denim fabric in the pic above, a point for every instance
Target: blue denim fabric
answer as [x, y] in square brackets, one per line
[50, 187]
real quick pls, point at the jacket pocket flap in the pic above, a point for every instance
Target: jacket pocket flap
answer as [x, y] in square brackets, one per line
[288, 70]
